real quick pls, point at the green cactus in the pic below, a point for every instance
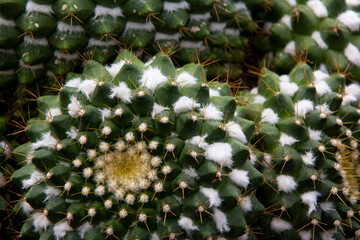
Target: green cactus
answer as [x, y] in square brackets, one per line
[307, 127]
[137, 150]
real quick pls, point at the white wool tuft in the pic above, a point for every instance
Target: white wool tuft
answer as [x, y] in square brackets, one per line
[240, 177]
[152, 77]
[321, 86]
[72, 133]
[290, 48]
[318, 39]
[305, 235]
[75, 107]
[242, 7]
[255, 90]
[328, 235]
[52, 112]
[269, 116]
[121, 92]
[286, 19]
[232, 32]
[6, 149]
[167, 36]
[75, 82]
[64, 27]
[192, 45]
[191, 172]
[221, 153]
[259, 99]
[187, 224]
[212, 195]
[292, 3]
[67, 56]
[185, 78]
[46, 140]
[353, 54]
[35, 177]
[114, 68]
[246, 204]
[310, 199]
[51, 192]
[217, 26]
[200, 16]
[284, 78]
[5, 22]
[34, 7]
[315, 135]
[327, 206]
[26, 208]
[37, 41]
[213, 93]
[185, 104]
[352, 3]
[211, 112]
[308, 158]
[353, 89]
[318, 8]
[303, 107]
[287, 140]
[154, 236]
[173, 6]
[61, 228]
[324, 108]
[220, 220]
[83, 229]
[93, 42]
[348, 99]
[279, 225]
[40, 221]
[286, 183]
[139, 26]
[288, 88]
[101, 11]
[158, 109]
[235, 131]
[198, 141]
[105, 113]
[87, 87]
[351, 19]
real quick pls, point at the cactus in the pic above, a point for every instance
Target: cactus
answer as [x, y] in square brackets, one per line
[45, 37]
[137, 150]
[307, 127]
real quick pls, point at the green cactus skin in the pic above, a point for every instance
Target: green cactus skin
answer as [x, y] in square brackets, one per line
[138, 151]
[307, 126]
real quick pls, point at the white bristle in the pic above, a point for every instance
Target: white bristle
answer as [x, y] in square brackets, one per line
[220, 221]
[269, 116]
[286, 183]
[220, 153]
[310, 199]
[152, 77]
[122, 92]
[240, 177]
[185, 104]
[212, 195]
[279, 225]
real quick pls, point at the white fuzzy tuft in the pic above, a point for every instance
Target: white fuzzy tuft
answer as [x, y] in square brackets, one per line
[51, 192]
[286, 183]
[328, 235]
[8, 23]
[167, 37]
[217, 26]
[73, 83]
[191, 172]
[211, 112]
[318, 8]
[305, 235]
[214, 93]
[308, 158]
[198, 141]
[64, 27]
[221, 153]
[290, 48]
[114, 68]
[286, 19]
[212, 195]
[240, 177]
[185, 78]
[152, 77]
[93, 42]
[310, 199]
[83, 229]
[232, 32]
[353, 89]
[245, 204]
[139, 26]
[65, 55]
[287, 140]
[72, 133]
[292, 3]
[40, 221]
[173, 6]
[200, 16]
[36, 41]
[26, 208]
[187, 224]
[105, 113]
[259, 99]
[242, 7]
[121, 92]
[318, 39]
[34, 7]
[52, 112]
[352, 3]
[185, 104]
[75, 107]
[255, 90]
[279, 225]
[327, 206]
[353, 54]
[315, 135]
[60, 229]
[303, 107]
[288, 88]
[192, 45]
[35, 177]
[321, 86]
[101, 11]
[220, 221]
[46, 140]
[269, 116]
[87, 87]
[351, 19]
[235, 131]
